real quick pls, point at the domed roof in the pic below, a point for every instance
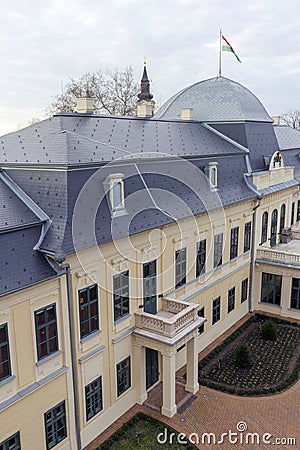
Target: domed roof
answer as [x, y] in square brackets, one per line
[215, 100]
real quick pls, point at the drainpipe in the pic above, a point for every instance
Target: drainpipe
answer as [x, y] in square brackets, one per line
[252, 263]
[64, 269]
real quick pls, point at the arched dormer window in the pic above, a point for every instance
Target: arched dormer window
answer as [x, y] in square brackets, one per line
[211, 171]
[264, 227]
[114, 186]
[277, 161]
[117, 195]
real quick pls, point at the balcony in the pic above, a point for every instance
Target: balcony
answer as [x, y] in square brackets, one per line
[288, 254]
[172, 322]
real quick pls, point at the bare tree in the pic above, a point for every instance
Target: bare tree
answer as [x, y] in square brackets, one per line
[114, 92]
[292, 119]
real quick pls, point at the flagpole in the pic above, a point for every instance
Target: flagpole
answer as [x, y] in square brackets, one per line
[220, 52]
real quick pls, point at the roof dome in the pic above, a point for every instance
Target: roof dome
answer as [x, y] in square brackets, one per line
[215, 100]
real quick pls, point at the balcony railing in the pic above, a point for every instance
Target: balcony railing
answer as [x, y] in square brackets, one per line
[171, 319]
[278, 256]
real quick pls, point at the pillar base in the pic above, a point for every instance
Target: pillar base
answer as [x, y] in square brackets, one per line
[193, 389]
[169, 412]
[141, 399]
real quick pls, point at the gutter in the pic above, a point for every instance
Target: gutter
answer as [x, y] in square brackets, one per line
[64, 269]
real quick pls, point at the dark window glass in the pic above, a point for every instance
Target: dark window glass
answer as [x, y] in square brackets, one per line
[216, 312]
[88, 310]
[295, 293]
[201, 257]
[201, 314]
[282, 218]
[218, 249]
[123, 376]
[180, 267]
[12, 443]
[247, 237]
[46, 331]
[231, 299]
[271, 288]
[244, 293]
[273, 238]
[264, 227]
[93, 398]
[149, 287]
[5, 368]
[121, 295]
[298, 210]
[234, 242]
[117, 195]
[293, 214]
[55, 425]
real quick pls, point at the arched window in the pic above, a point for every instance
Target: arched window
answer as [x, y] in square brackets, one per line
[282, 218]
[274, 228]
[117, 195]
[264, 227]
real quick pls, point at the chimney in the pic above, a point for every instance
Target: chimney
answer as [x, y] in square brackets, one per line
[276, 120]
[85, 105]
[187, 114]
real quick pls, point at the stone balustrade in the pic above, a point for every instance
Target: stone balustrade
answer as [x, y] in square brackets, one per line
[278, 256]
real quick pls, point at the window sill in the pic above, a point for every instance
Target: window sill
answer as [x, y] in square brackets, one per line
[48, 358]
[127, 316]
[7, 380]
[89, 336]
[270, 304]
[90, 341]
[294, 309]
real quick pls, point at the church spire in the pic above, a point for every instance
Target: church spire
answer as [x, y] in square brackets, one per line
[145, 94]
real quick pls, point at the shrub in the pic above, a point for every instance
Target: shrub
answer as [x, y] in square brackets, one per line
[269, 330]
[242, 356]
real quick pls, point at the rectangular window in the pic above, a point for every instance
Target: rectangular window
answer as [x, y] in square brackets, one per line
[295, 293]
[12, 443]
[271, 288]
[293, 214]
[88, 310]
[93, 398]
[5, 368]
[231, 299]
[218, 249]
[201, 258]
[123, 376]
[149, 287]
[201, 314]
[180, 267]
[46, 331]
[298, 210]
[121, 295]
[216, 312]
[55, 425]
[247, 237]
[244, 292]
[234, 242]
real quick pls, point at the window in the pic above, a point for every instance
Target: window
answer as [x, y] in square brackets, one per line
[5, 369]
[298, 210]
[46, 331]
[117, 195]
[293, 213]
[247, 237]
[216, 312]
[115, 187]
[282, 218]
[234, 242]
[271, 288]
[231, 299]
[218, 249]
[55, 425]
[149, 285]
[264, 227]
[93, 398]
[180, 267]
[273, 237]
[213, 176]
[88, 310]
[121, 295]
[12, 443]
[244, 292]
[201, 314]
[201, 257]
[295, 293]
[123, 376]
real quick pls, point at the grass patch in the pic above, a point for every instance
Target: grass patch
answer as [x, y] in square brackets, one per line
[147, 428]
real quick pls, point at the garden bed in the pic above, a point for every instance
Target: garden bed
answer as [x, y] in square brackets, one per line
[274, 365]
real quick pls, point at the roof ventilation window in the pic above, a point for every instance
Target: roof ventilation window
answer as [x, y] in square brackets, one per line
[114, 185]
[211, 171]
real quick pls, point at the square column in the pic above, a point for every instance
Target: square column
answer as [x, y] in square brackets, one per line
[169, 407]
[140, 373]
[192, 384]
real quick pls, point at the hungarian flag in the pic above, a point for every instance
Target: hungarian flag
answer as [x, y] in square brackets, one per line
[228, 48]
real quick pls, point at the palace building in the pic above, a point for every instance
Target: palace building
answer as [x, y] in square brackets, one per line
[128, 245]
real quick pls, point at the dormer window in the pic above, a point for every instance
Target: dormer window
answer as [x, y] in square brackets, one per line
[277, 161]
[115, 190]
[211, 171]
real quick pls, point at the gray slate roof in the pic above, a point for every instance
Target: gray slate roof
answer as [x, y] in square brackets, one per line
[288, 138]
[215, 100]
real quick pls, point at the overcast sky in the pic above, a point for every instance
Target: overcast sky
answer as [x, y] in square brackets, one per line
[45, 43]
